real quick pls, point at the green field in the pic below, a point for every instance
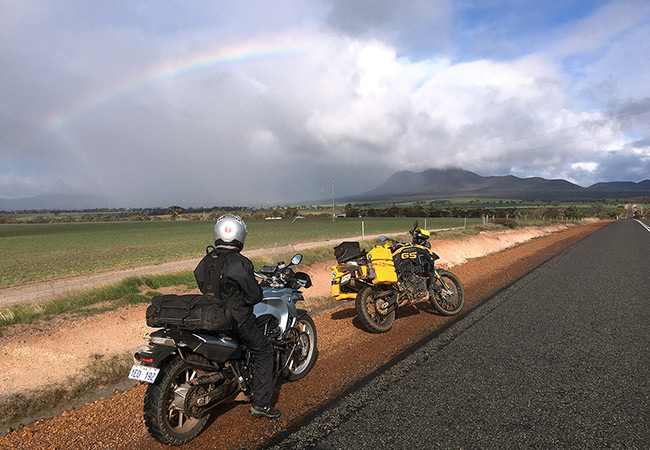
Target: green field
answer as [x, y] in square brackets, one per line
[42, 252]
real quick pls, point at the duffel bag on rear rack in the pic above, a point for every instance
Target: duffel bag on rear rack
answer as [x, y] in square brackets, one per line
[348, 250]
[191, 312]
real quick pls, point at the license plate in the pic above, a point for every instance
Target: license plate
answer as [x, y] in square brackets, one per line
[345, 278]
[143, 373]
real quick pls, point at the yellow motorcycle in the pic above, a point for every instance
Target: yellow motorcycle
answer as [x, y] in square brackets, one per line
[393, 274]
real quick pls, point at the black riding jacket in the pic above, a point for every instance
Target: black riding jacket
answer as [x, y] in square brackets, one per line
[238, 284]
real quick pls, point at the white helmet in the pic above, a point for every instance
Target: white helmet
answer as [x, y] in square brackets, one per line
[230, 229]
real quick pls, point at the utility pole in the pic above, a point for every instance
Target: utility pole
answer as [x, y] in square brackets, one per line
[333, 202]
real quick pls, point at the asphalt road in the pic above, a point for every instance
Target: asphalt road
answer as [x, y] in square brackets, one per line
[560, 359]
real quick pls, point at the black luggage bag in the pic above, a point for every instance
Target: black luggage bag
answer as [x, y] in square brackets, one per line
[348, 250]
[191, 312]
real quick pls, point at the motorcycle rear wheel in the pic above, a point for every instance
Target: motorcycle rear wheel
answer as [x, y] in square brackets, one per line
[448, 303]
[164, 413]
[369, 311]
[306, 352]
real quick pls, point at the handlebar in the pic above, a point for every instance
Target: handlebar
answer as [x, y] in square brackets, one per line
[281, 275]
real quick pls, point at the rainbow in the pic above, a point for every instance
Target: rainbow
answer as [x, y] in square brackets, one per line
[173, 69]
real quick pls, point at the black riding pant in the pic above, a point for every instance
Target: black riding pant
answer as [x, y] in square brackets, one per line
[251, 334]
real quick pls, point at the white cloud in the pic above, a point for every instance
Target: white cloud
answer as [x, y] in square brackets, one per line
[356, 105]
[601, 28]
[586, 166]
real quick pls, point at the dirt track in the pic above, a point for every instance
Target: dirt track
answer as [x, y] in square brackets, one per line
[117, 422]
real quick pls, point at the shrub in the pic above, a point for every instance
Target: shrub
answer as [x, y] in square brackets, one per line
[510, 223]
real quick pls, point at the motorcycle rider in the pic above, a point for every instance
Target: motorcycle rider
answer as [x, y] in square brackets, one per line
[227, 274]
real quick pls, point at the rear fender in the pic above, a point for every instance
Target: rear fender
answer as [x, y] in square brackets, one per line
[167, 343]
[160, 354]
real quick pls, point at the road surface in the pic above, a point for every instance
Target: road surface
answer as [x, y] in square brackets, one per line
[560, 359]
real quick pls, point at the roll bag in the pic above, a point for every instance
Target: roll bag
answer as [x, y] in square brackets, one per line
[191, 312]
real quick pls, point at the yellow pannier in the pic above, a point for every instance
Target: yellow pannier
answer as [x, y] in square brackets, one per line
[338, 273]
[381, 260]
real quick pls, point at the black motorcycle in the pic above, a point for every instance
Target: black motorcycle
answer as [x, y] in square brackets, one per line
[191, 372]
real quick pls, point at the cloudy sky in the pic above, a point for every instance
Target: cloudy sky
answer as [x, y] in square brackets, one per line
[201, 103]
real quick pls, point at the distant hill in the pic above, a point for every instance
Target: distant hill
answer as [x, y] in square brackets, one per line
[454, 183]
[50, 202]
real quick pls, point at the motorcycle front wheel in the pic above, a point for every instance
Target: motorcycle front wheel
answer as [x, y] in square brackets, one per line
[374, 313]
[449, 300]
[304, 355]
[164, 410]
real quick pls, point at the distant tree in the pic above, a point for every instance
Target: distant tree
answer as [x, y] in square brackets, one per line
[174, 212]
[596, 210]
[7, 219]
[216, 213]
[508, 213]
[574, 213]
[351, 211]
[139, 218]
[394, 211]
[290, 212]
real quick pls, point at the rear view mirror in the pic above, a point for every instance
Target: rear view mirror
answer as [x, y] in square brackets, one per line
[297, 258]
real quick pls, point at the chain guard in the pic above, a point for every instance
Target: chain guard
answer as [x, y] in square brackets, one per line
[202, 398]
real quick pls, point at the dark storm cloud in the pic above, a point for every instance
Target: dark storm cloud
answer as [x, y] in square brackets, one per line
[624, 166]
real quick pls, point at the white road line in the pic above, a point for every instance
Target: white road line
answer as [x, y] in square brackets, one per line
[644, 225]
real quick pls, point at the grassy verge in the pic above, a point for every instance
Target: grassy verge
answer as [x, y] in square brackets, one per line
[100, 372]
[127, 292]
[132, 290]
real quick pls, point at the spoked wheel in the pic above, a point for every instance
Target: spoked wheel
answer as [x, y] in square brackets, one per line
[373, 310]
[164, 409]
[306, 351]
[451, 298]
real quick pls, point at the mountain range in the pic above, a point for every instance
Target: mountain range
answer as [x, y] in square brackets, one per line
[408, 186]
[458, 183]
